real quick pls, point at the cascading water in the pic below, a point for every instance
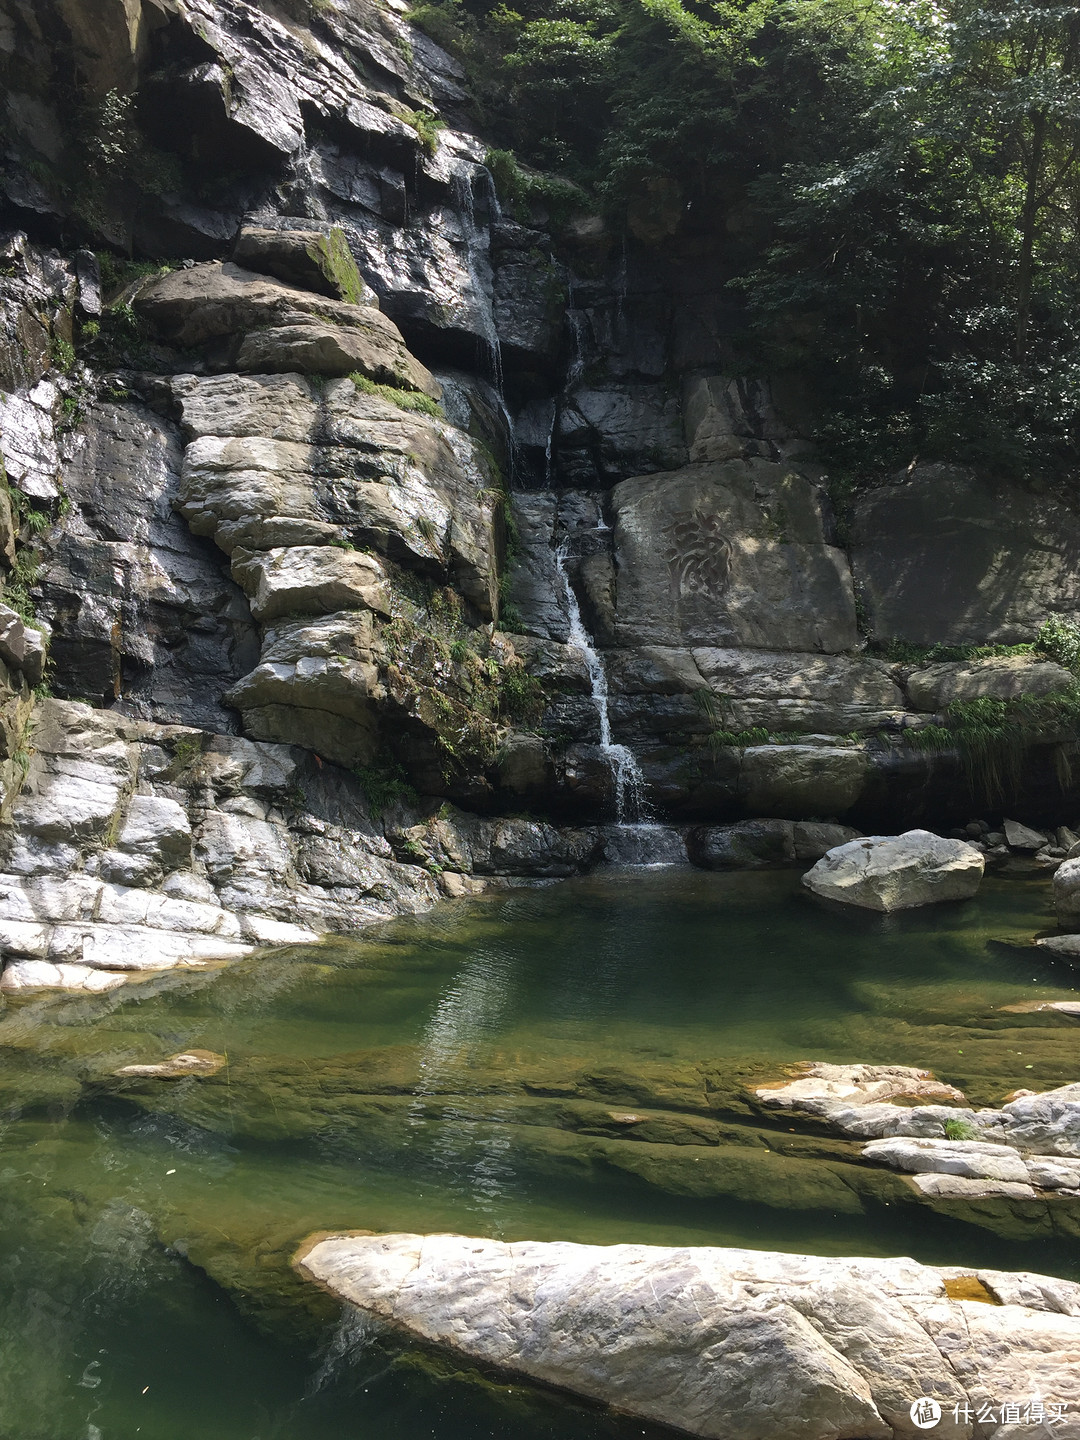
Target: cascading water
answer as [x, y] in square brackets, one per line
[631, 804]
[477, 245]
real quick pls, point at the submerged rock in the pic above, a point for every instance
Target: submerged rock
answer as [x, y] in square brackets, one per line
[729, 1344]
[761, 844]
[177, 1067]
[748, 845]
[897, 872]
[1065, 947]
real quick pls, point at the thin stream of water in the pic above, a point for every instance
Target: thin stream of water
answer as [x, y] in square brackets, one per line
[631, 803]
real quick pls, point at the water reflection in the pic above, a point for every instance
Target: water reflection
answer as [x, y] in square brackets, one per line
[348, 1353]
[472, 1154]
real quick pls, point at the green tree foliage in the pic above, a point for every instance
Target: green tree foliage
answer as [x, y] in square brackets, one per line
[934, 266]
[893, 188]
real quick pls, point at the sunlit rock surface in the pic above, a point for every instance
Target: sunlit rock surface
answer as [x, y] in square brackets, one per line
[727, 1344]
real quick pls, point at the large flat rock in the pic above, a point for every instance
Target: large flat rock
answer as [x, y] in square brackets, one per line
[951, 558]
[729, 554]
[1002, 677]
[728, 1344]
[801, 692]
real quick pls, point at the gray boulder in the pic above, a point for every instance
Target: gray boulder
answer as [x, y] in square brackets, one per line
[157, 828]
[732, 554]
[312, 259]
[727, 1344]
[1022, 837]
[1046, 1122]
[21, 647]
[813, 838]
[316, 579]
[945, 556]
[897, 872]
[1067, 894]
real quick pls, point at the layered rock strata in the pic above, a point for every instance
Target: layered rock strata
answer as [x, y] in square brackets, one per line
[135, 847]
[1031, 1145]
[321, 211]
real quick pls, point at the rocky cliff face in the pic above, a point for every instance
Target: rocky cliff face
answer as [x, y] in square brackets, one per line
[354, 463]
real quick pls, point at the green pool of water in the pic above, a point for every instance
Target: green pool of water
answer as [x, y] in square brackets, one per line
[458, 1071]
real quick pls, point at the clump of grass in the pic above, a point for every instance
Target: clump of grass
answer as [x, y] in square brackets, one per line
[403, 399]
[518, 189]
[186, 751]
[62, 354]
[427, 127]
[993, 736]
[721, 736]
[444, 23]
[960, 1130]
[19, 583]
[1059, 639]
[903, 652]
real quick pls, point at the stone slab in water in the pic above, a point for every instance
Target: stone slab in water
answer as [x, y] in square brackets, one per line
[728, 1344]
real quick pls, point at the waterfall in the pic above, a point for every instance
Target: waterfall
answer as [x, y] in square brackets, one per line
[647, 846]
[477, 245]
[576, 324]
[631, 804]
[549, 448]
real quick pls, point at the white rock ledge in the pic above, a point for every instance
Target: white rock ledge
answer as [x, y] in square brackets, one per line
[727, 1344]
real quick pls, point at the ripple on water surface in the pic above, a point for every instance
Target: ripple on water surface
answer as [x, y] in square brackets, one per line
[564, 1062]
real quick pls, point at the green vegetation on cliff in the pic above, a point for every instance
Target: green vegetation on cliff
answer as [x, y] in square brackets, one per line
[893, 189]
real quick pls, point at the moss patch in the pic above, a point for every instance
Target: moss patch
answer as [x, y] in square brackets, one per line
[332, 255]
[404, 399]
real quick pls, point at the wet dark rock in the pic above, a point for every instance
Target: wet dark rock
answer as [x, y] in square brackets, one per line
[749, 845]
[470, 844]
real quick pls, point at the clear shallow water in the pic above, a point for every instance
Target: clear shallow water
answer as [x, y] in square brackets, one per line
[440, 1076]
